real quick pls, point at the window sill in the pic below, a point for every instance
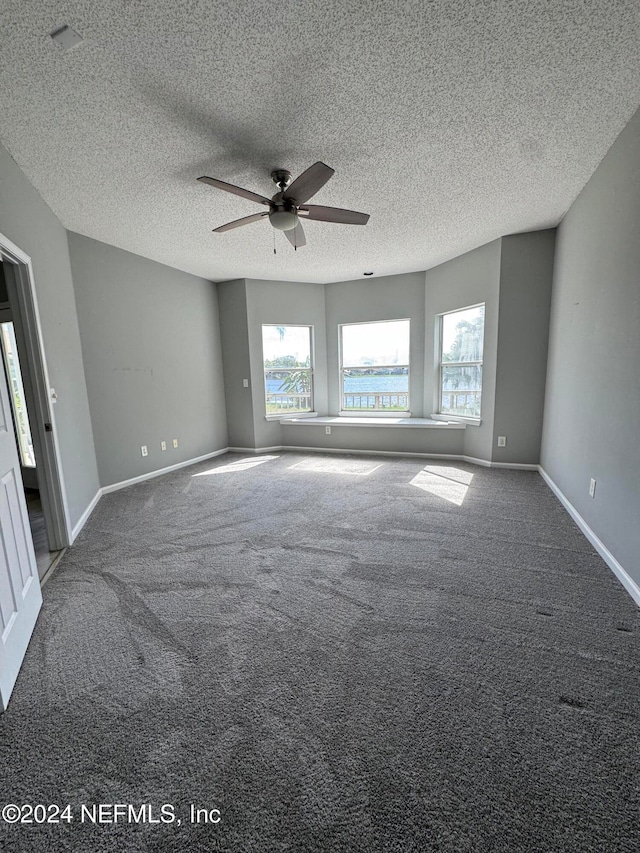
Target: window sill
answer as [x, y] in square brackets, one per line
[285, 418]
[457, 419]
[393, 423]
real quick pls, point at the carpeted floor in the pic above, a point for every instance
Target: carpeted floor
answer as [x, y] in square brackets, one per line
[339, 654]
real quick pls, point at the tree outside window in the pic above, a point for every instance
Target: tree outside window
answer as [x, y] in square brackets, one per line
[288, 369]
[461, 351]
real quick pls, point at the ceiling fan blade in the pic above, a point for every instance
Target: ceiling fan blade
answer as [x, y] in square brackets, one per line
[333, 214]
[296, 236]
[238, 222]
[309, 182]
[231, 188]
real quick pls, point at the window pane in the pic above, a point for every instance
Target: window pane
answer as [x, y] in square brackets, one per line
[382, 389]
[16, 394]
[366, 344]
[461, 390]
[287, 391]
[286, 346]
[462, 335]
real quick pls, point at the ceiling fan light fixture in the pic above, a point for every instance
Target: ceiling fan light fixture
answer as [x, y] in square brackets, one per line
[283, 220]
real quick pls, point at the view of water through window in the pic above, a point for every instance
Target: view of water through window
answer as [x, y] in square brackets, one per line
[375, 366]
[288, 370]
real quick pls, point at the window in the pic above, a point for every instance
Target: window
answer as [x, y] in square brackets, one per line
[461, 342]
[288, 370]
[374, 366]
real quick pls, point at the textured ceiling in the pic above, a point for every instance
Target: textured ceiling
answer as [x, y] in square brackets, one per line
[451, 123]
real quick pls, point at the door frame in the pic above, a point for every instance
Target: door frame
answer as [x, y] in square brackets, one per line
[37, 388]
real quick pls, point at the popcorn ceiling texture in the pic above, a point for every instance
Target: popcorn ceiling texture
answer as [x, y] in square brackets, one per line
[450, 123]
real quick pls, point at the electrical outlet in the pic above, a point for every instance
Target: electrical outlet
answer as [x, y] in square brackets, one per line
[245, 383]
[502, 441]
[592, 488]
[144, 450]
[163, 445]
[175, 442]
[327, 430]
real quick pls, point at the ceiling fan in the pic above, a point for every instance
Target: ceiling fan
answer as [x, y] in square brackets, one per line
[289, 205]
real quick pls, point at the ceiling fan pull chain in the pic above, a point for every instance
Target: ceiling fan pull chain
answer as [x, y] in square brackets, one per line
[274, 243]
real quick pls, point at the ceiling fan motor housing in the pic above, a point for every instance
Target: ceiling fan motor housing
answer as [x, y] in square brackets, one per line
[282, 178]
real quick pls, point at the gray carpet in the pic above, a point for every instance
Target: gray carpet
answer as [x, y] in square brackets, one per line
[338, 653]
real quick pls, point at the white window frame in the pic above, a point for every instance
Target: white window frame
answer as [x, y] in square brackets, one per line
[450, 415]
[378, 413]
[278, 416]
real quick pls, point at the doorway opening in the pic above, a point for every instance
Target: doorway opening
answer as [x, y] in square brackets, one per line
[30, 401]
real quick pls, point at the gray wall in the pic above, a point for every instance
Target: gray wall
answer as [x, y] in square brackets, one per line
[234, 337]
[27, 221]
[245, 305]
[526, 274]
[467, 280]
[383, 439]
[397, 297]
[284, 303]
[512, 276]
[592, 410]
[153, 361]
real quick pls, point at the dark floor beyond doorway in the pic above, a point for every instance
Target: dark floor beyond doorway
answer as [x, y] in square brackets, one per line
[44, 557]
[339, 654]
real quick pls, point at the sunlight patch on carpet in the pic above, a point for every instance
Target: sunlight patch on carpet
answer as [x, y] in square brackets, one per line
[355, 467]
[237, 467]
[450, 484]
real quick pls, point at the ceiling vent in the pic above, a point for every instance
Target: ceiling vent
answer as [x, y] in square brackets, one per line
[66, 37]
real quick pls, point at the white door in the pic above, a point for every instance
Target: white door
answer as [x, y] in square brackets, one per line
[20, 595]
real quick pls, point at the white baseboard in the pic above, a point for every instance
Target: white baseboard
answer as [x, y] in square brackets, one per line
[254, 450]
[472, 459]
[83, 518]
[114, 487]
[456, 457]
[516, 466]
[625, 579]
